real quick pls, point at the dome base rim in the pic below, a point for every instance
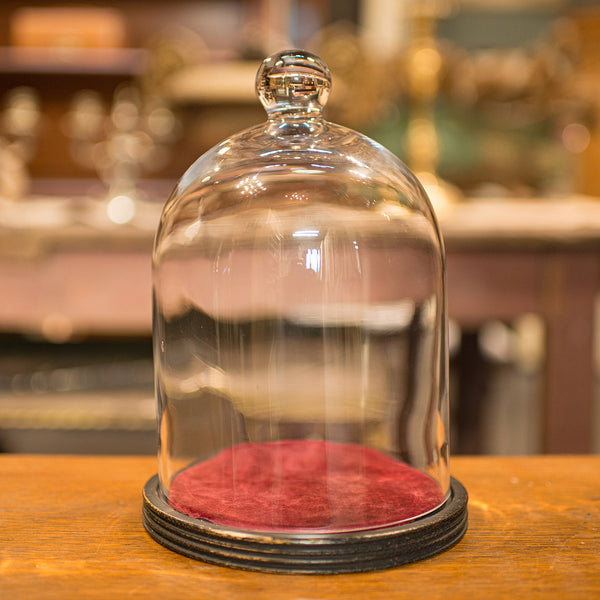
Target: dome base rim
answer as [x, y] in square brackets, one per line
[306, 553]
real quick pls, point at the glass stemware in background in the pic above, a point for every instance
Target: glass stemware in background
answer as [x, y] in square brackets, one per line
[19, 127]
[121, 143]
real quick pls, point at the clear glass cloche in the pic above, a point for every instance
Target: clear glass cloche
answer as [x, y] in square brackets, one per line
[300, 345]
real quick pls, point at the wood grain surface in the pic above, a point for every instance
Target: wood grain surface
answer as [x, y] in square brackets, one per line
[70, 527]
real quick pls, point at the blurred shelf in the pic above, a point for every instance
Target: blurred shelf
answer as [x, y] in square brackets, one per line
[218, 82]
[561, 222]
[72, 61]
[85, 276]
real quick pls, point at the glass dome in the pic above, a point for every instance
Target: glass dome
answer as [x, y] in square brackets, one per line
[300, 336]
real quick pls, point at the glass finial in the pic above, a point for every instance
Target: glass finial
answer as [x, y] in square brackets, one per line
[293, 81]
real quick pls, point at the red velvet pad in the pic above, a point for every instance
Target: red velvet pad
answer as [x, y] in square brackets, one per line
[303, 484]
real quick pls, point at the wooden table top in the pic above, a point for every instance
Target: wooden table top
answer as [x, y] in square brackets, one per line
[70, 527]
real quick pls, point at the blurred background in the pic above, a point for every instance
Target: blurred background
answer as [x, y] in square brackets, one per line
[494, 104]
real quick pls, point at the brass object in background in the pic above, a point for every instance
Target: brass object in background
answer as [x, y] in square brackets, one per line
[423, 68]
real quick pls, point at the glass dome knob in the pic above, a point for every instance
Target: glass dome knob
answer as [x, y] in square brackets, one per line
[293, 82]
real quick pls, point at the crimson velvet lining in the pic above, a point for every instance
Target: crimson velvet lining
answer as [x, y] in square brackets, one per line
[302, 484]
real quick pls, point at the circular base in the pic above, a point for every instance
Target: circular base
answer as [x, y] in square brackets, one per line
[310, 553]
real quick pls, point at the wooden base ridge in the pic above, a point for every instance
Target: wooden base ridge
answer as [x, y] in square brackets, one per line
[306, 553]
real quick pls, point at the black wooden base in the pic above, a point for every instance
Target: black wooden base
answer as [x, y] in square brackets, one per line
[308, 553]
